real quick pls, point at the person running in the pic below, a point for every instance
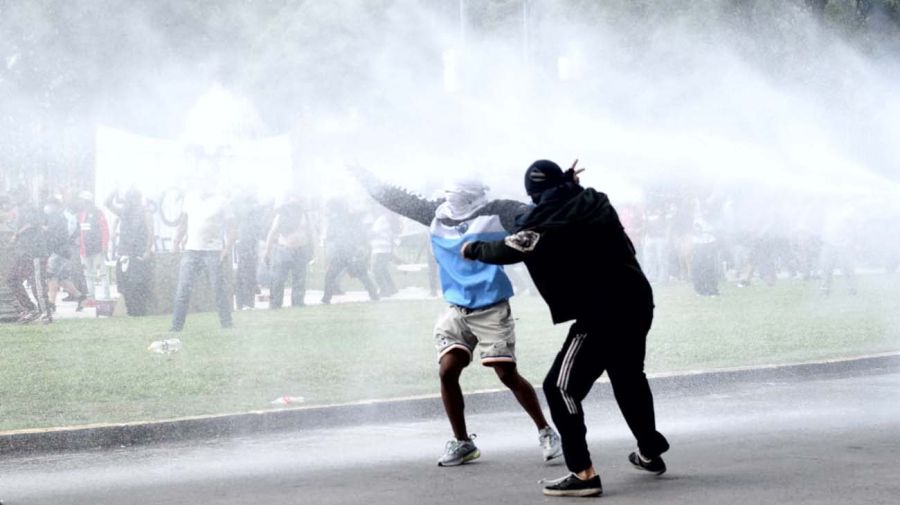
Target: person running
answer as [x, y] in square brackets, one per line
[29, 261]
[59, 247]
[584, 266]
[346, 248]
[479, 317]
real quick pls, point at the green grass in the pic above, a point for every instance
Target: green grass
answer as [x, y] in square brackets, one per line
[90, 371]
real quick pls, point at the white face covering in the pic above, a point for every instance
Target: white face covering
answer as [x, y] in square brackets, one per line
[463, 198]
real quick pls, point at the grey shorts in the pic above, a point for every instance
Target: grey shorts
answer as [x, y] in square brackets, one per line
[490, 331]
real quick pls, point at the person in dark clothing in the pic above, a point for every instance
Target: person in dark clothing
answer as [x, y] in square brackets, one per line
[347, 248]
[289, 248]
[383, 233]
[93, 244]
[59, 264]
[584, 266]
[251, 217]
[134, 262]
[30, 261]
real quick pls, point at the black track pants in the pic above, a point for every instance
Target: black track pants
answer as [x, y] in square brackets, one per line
[591, 348]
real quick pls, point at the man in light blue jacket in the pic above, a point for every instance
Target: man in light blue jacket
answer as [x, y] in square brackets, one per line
[478, 319]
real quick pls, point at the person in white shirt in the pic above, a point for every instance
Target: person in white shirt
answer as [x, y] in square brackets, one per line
[205, 236]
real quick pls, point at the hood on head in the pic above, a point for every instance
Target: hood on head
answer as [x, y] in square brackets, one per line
[462, 197]
[541, 176]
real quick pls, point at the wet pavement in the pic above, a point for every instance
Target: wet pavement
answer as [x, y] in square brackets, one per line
[827, 439]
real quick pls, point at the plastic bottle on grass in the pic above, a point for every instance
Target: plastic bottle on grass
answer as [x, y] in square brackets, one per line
[287, 400]
[167, 346]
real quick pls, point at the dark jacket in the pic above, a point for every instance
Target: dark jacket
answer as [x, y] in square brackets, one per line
[57, 235]
[30, 240]
[578, 255]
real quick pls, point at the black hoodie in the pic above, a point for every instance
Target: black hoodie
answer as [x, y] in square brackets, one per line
[578, 255]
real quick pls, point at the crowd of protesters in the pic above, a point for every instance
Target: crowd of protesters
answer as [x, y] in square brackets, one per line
[57, 241]
[707, 238]
[63, 241]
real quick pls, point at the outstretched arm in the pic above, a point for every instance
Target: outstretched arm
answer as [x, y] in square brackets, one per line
[396, 199]
[512, 249]
[508, 211]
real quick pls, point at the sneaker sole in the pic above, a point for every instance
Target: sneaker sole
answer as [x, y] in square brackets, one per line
[656, 472]
[552, 457]
[468, 457]
[573, 492]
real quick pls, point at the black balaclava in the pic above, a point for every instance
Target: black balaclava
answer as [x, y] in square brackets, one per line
[544, 175]
[541, 176]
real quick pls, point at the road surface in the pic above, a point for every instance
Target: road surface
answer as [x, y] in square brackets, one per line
[833, 438]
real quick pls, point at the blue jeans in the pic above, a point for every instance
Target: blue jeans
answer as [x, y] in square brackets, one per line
[293, 262]
[191, 263]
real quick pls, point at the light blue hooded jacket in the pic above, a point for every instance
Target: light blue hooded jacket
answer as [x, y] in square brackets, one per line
[465, 215]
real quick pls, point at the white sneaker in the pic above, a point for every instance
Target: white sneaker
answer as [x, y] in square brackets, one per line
[458, 452]
[550, 443]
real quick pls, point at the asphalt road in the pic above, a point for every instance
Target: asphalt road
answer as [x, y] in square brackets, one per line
[824, 439]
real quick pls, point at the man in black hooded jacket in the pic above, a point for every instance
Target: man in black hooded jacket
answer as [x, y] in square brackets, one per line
[584, 266]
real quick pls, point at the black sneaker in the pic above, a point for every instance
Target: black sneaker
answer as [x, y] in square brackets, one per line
[80, 306]
[653, 465]
[571, 485]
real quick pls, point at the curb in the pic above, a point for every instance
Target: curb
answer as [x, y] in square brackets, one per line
[104, 436]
